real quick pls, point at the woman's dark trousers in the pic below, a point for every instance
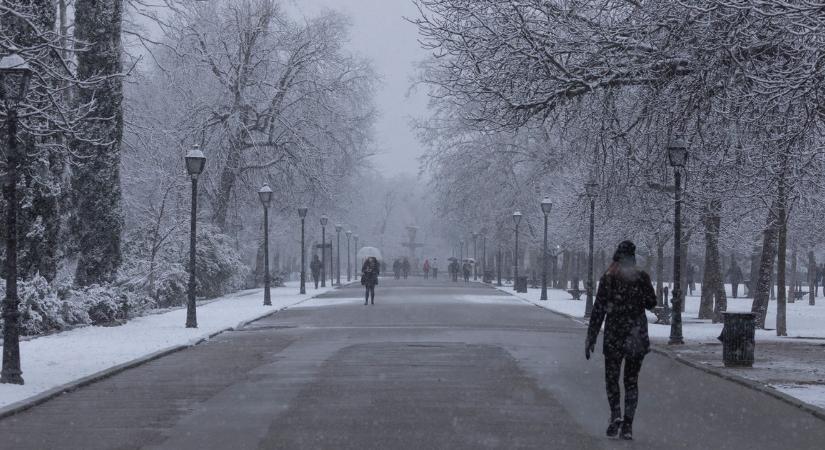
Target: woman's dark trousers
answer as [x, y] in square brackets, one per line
[369, 294]
[612, 368]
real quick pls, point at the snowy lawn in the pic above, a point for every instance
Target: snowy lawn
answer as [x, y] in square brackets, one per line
[792, 365]
[803, 320]
[52, 361]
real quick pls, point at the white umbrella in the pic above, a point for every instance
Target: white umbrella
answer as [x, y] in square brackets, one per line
[366, 252]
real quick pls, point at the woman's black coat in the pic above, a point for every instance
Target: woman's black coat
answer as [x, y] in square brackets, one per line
[369, 272]
[623, 296]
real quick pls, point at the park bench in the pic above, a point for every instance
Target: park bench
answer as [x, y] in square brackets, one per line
[798, 295]
[576, 293]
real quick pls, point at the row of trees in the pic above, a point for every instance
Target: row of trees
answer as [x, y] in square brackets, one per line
[123, 89]
[538, 97]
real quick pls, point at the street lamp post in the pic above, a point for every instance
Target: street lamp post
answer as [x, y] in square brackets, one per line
[592, 191]
[324, 220]
[677, 152]
[265, 194]
[355, 254]
[195, 162]
[338, 228]
[517, 221]
[483, 252]
[15, 74]
[349, 271]
[302, 213]
[546, 207]
[475, 256]
[498, 265]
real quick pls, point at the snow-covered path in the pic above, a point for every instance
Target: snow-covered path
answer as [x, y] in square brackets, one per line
[52, 361]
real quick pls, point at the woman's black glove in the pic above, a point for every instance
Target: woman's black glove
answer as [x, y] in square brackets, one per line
[589, 347]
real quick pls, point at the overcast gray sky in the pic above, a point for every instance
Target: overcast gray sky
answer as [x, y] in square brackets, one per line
[380, 33]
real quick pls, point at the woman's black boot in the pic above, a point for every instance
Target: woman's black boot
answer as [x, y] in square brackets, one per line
[613, 427]
[627, 429]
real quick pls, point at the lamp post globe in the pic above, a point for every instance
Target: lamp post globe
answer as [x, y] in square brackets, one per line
[195, 163]
[546, 208]
[591, 189]
[302, 213]
[677, 154]
[15, 74]
[265, 195]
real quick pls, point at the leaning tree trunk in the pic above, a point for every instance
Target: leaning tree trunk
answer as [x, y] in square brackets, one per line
[754, 272]
[96, 171]
[761, 297]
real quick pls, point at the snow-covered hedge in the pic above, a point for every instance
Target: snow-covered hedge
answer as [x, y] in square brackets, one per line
[46, 308]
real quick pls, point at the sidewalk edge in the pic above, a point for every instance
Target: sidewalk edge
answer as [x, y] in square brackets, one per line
[38, 399]
[816, 411]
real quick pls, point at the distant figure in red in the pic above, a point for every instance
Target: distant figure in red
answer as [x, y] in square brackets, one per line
[426, 269]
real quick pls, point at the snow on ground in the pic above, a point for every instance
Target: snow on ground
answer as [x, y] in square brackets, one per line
[792, 365]
[51, 361]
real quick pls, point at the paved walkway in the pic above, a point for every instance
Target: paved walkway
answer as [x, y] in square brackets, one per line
[432, 365]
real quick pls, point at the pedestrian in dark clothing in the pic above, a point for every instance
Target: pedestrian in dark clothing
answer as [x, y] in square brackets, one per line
[315, 268]
[625, 291]
[454, 271]
[396, 269]
[426, 269]
[735, 277]
[405, 268]
[369, 278]
[467, 269]
[691, 273]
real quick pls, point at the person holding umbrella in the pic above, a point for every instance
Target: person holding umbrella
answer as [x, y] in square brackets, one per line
[369, 278]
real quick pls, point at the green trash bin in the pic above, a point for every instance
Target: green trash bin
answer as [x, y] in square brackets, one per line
[738, 339]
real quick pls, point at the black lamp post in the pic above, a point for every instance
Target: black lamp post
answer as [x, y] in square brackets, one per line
[591, 189]
[302, 213]
[15, 74]
[355, 254]
[475, 256]
[517, 221]
[338, 228]
[195, 162]
[483, 251]
[349, 271]
[265, 194]
[546, 207]
[677, 152]
[324, 220]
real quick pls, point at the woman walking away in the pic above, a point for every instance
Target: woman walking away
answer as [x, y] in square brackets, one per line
[369, 278]
[624, 293]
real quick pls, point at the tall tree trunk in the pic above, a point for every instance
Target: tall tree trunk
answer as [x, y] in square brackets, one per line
[714, 299]
[812, 278]
[761, 297]
[794, 277]
[756, 252]
[96, 173]
[660, 270]
[781, 326]
[229, 175]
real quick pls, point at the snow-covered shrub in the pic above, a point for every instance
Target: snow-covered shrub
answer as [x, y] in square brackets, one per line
[220, 269]
[170, 287]
[110, 305]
